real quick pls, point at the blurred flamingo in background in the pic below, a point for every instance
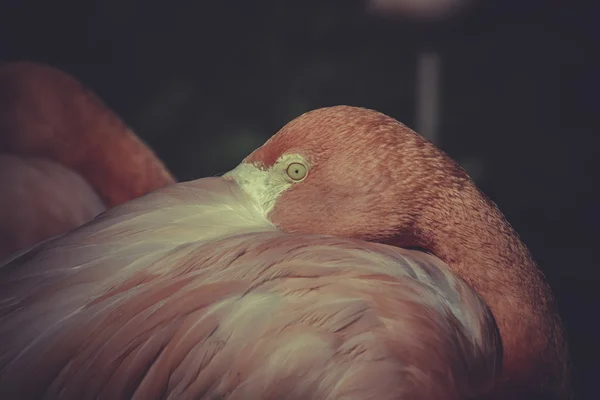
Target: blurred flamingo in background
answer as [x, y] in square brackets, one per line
[64, 157]
[345, 258]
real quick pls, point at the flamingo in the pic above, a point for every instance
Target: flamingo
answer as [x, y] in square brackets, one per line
[64, 157]
[346, 258]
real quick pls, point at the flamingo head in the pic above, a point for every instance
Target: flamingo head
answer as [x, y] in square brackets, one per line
[352, 172]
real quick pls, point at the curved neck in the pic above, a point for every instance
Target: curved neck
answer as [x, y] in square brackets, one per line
[480, 245]
[119, 165]
[46, 113]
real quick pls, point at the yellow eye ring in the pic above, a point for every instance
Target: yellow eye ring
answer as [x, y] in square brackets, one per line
[296, 171]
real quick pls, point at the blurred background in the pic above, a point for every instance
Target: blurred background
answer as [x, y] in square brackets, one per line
[506, 87]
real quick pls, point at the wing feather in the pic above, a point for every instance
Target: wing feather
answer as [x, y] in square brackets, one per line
[190, 292]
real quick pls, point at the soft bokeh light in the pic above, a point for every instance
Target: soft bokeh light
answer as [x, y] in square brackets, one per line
[420, 9]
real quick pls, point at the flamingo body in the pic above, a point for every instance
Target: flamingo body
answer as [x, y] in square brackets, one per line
[289, 277]
[190, 292]
[41, 199]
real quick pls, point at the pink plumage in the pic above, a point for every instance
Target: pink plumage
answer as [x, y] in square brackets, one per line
[41, 199]
[64, 157]
[190, 293]
[289, 277]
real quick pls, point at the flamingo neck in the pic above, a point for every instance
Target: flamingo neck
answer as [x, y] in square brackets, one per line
[119, 165]
[480, 245]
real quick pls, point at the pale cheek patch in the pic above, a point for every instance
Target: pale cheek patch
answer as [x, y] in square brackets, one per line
[265, 186]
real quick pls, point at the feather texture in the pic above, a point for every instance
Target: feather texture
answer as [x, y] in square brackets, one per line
[189, 292]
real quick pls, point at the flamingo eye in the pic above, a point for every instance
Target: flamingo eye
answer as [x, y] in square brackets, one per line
[296, 171]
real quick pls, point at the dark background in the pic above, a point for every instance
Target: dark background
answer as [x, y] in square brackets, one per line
[205, 82]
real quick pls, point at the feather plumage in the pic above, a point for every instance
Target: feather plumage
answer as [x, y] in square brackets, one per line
[189, 292]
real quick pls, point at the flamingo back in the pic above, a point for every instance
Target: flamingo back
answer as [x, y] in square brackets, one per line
[191, 293]
[41, 199]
